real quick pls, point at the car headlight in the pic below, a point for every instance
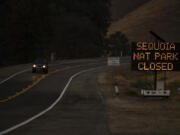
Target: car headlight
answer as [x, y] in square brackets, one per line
[34, 66]
[44, 66]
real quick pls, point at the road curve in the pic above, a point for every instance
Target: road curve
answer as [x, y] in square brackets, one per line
[26, 95]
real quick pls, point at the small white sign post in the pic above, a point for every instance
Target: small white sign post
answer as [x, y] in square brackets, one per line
[113, 61]
[52, 57]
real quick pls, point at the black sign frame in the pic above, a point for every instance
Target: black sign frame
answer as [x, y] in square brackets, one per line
[172, 65]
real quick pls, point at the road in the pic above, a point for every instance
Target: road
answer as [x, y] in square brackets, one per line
[28, 99]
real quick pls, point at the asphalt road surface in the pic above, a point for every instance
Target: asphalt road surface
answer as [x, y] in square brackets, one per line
[27, 96]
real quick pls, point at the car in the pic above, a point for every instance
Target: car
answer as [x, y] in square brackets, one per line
[40, 65]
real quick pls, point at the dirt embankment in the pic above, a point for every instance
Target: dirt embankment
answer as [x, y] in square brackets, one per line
[129, 113]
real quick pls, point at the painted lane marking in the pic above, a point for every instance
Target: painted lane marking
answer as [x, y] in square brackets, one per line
[49, 108]
[13, 75]
[37, 81]
[29, 86]
[20, 72]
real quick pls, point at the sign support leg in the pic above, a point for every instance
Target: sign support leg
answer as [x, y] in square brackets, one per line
[165, 80]
[155, 80]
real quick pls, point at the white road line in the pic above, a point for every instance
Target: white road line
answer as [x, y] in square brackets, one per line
[20, 72]
[49, 108]
[13, 75]
[23, 71]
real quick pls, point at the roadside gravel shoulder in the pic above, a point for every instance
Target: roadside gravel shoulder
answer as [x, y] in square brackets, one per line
[130, 114]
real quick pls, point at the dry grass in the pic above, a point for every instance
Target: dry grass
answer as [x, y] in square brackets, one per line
[121, 8]
[161, 16]
[128, 113]
[134, 81]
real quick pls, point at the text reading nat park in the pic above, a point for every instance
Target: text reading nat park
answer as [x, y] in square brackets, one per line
[155, 56]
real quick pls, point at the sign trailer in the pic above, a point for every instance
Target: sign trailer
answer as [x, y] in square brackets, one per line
[155, 56]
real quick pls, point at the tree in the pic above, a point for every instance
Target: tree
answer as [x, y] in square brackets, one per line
[80, 27]
[117, 44]
[71, 28]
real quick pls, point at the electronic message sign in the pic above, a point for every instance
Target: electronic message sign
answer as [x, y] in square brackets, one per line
[155, 56]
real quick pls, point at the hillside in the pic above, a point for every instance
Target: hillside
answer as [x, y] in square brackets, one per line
[121, 8]
[160, 16]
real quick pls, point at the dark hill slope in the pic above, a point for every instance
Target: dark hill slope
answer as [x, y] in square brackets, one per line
[160, 16]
